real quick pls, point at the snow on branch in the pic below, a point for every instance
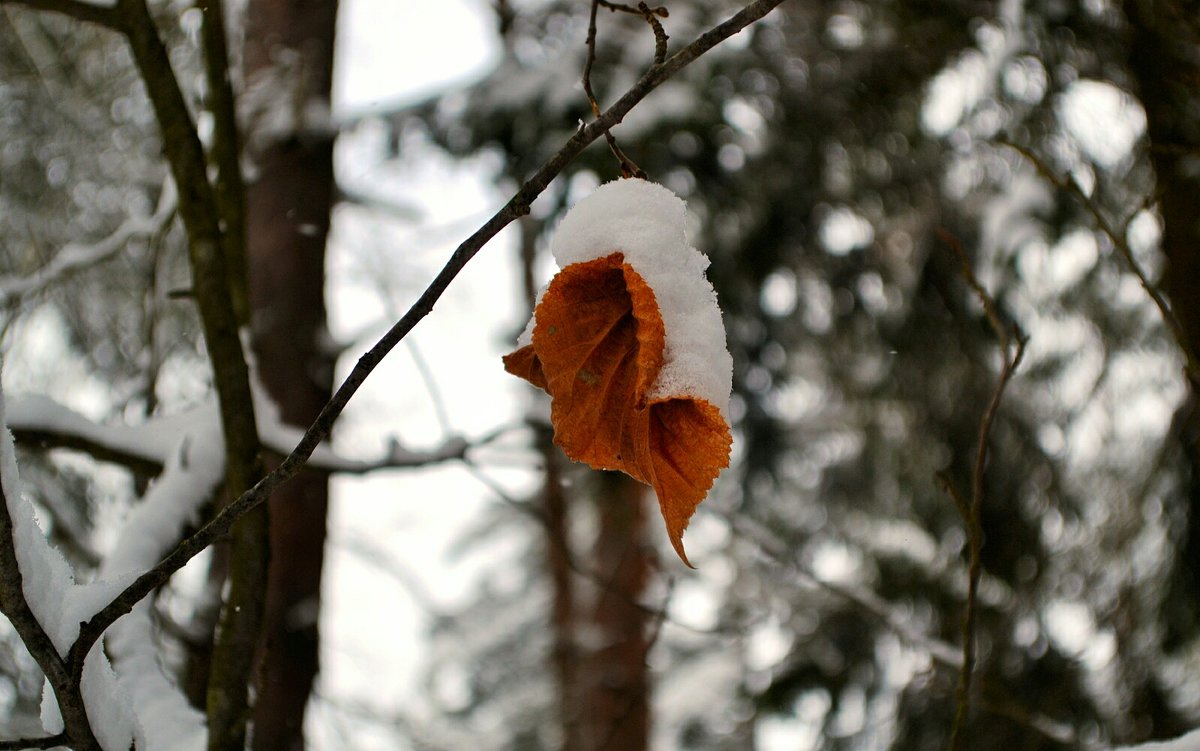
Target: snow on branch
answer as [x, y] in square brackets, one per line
[39, 595]
[194, 469]
[188, 448]
[41, 421]
[74, 257]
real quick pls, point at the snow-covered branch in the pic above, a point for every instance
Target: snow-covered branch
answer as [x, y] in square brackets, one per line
[193, 471]
[75, 257]
[41, 421]
[188, 450]
[39, 596]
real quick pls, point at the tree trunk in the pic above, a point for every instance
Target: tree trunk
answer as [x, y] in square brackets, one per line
[1164, 56]
[615, 686]
[289, 203]
[565, 655]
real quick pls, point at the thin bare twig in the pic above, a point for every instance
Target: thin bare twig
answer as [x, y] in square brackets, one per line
[661, 11]
[971, 510]
[660, 34]
[651, 16]
[1121, 244]
[516, 207]
[941, 653]
[628, 168]
[431, 387]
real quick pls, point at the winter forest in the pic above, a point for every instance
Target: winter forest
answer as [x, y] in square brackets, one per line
[929, 327]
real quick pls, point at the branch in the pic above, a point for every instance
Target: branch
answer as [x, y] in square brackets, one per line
[74, 257]
[100, 13]
[1121, 244]
[43, 422]
[189, 479]
[516, 207]
[39, 421]
[230, 189]
[628, 168]
[202, 209]
[16, 606]
[51, 741]
[971, 510]
[941, 653]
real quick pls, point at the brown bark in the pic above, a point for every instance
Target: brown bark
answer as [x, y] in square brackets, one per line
[614, 682]
[562, 609]
[1164, 57]
[1165, 60]
[288, 221]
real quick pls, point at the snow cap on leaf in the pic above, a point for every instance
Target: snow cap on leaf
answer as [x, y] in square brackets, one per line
[628, 341]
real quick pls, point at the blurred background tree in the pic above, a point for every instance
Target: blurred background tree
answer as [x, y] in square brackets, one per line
[820, 159]
[830, 159]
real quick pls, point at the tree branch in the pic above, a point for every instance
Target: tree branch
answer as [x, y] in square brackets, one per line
[971, 510]
[75, 257]
[1121, 244]
[941, 653]
[628, 168]
[33, 634]
[516, 207]
[39, 421]
[82, 10]
[201, 211]
[50, 741]
[230, 188]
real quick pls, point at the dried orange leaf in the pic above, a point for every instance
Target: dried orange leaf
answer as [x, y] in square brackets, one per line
[598, 346]
[689, 445]
[524, 363]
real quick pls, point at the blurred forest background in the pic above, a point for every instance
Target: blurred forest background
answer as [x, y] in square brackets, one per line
[833, 157]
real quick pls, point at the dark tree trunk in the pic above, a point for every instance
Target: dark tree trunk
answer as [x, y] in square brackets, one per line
[289, 203]
[615, 686]
[1164, 57]
[565, 656]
